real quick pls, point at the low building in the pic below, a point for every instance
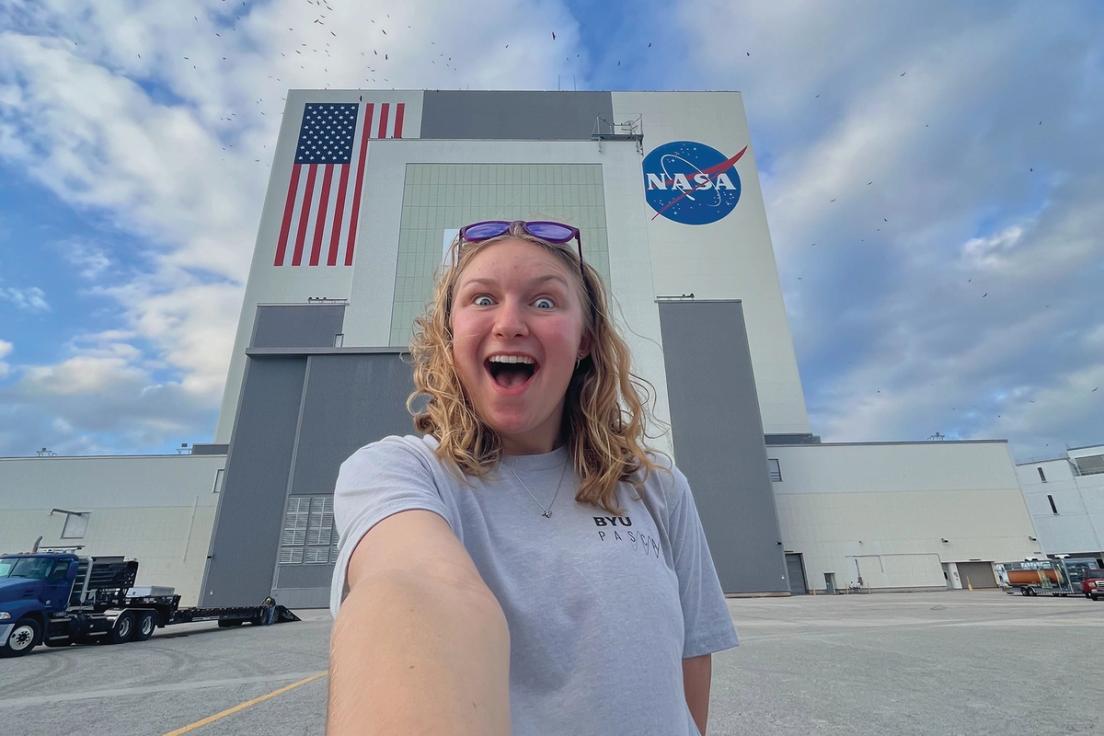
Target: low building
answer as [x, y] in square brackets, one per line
[157, 509]
[1065, 497]
[899, 516]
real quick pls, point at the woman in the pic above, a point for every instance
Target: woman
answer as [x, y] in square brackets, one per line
[611, 603]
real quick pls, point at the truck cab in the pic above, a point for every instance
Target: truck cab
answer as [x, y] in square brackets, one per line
[43, 581]
[33, 587]
[45, 595]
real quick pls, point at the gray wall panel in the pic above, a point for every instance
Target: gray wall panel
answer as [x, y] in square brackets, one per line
[513, 115]
[305, 597]
[303, 576]
[251, 506]
[288, 431]
[718, 440]
[351, 400]
[297, 325]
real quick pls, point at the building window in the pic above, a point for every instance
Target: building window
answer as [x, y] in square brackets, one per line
[75, 526]
[1041, 476]
[216, 487]
[775, 469]
[1089, 464]
[1053, 508]
[307, 537]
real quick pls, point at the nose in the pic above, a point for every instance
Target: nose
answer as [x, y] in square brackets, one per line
[509, 320]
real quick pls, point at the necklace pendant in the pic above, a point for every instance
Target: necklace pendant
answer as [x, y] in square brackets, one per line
[547, 514]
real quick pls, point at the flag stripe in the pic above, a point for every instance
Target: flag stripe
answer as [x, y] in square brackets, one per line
[400, 110]
[351, 243]
[322, 216]
[383, 120]
[308, 195]
[320, 222]
[331, 257]
[289, 205]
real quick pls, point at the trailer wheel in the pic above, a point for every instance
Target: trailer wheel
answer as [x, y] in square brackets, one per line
[145, 627]
[123, 629]
[22, 639]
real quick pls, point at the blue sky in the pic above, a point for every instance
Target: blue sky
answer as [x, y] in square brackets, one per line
[932, 174]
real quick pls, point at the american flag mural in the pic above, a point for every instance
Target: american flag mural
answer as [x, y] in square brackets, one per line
[322, 208]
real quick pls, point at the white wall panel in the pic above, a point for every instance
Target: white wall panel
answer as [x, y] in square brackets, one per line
[732, 258]
[159, 510]
[890, 506]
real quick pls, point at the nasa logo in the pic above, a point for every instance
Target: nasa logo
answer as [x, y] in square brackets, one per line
[691, 183]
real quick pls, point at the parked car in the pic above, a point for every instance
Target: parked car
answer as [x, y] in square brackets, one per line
[1088, 578]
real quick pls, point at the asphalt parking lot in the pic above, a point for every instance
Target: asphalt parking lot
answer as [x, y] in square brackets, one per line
[954, 662]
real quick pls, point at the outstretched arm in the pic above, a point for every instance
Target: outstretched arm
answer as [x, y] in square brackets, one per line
[696, 675]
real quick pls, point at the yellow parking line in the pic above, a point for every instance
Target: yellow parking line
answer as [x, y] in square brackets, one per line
[243, 706]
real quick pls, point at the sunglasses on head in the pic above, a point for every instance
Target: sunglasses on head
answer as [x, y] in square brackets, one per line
[550, 232]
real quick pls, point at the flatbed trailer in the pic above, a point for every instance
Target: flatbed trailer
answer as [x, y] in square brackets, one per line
[58, 599]
[1037, 577]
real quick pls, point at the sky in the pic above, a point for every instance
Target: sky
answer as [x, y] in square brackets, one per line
[933, 177]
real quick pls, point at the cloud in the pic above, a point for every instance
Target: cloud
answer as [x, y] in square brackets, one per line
[29, 299]
[89, 259]
[106, 396]
[5, 350]
[937, 232]
[162, 120]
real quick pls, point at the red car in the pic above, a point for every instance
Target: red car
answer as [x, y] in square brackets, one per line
[1092, 584]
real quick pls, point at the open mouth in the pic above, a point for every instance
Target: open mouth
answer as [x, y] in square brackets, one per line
[510, 375]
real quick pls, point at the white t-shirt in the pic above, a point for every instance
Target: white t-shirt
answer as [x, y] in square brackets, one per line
[601, 609]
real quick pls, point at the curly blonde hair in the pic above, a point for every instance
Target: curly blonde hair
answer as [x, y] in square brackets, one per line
[604, 421]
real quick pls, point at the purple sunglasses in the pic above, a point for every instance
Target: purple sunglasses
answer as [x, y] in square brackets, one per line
[552, 232]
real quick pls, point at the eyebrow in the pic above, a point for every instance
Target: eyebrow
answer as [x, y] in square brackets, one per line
[532, 282]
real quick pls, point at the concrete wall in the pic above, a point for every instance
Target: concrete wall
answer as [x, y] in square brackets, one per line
[523, 115]
[268, 284]
[301, 415]
[158, 510]
[718, 440]
[732, 258]
[1076, 523]
[887, 507]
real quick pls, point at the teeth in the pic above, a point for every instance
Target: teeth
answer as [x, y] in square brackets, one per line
[511, 359]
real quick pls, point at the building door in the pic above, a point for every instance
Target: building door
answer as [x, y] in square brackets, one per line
[796, 572]
[977, 574]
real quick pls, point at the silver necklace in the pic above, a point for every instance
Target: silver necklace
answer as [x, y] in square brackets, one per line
[545, 512]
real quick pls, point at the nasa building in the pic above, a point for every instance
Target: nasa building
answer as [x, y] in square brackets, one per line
[367, 189]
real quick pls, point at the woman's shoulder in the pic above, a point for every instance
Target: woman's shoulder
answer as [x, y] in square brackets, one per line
[665, 476]
[397, 448]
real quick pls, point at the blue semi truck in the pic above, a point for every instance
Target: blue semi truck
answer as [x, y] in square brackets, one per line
[60, 598]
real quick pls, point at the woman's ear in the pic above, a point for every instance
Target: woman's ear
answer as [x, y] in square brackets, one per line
[584, 347]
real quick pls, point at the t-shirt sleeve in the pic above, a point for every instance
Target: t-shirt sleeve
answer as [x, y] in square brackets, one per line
[377, 481]
[708, 624]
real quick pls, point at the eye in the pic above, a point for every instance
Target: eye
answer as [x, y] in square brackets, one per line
[479, 301]
[545, 300]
